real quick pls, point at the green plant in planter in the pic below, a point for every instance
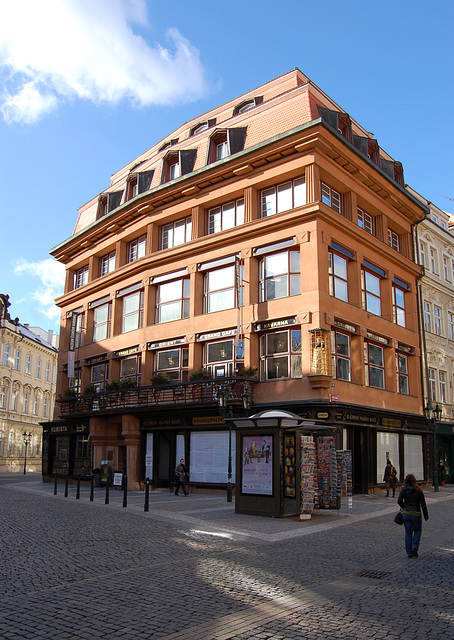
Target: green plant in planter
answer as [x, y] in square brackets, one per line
[159, 378]
[201, 374]
[90, 390]
[248, 372]
[69, 393]
[128, 383]
[113, 385]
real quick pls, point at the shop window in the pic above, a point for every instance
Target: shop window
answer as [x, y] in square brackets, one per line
[280, 355]
[279, 275]
[82, 446]
[374, 365]
[370, 285]
[442, 377]
[209, 451]
[80, 277]
[174, 363]
[107, 264]
[226, 216]
[341, 357]
[226, 142]
[393, 240]
[130, 368]
[365, 221]
[98, 376]
[402, 373]
[399, 305]
[17, 360]
[28, 364]
[172, 300]
[132, 317]
[437, 321]
[176, 233]
[338, 272]
[101, 322]
[331, 198]
[136, 248]
[283, 197]
[223, 358]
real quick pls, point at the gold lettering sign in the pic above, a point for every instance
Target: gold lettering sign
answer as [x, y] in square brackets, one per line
[208, 420]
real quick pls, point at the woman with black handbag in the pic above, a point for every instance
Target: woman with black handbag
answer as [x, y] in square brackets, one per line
[412, 501]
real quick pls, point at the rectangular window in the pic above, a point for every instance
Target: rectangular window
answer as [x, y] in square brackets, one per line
[81, 277]
[98, 376]
[174, 363]
[337, 269]
[399, 306]
[2, 399]
[28, 364]
[6, 355]
[174, 170]
[136, 248]
[219, 289]
[365, 221]
[176, 233]
[283, 197]
[222, 150]
[101, 322]
[331, 198]
[130, 368]
[393, 240]
[442, 377]
[280, 275]
[437, 321]
[14, 397]
[432, 385]
[340, 349]
[17, 360]
[25, 402]
[76, 382]
[427, 317]
[107, 264]
[433, 260]
[402, 373]
[451, 325]
[35, 405]
[280, 355]
[132, 312]
[446, 269]
[374, 365]
[47, 374]
[422, 254]
[172, 300]
[38, 368]
[370, 284]
[45, 407]
[226, 216]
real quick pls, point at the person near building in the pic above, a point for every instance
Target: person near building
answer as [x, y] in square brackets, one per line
[390, 478]
[180, 477]
[412, 501]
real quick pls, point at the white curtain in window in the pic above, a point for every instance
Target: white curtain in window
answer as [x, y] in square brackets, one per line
[413, 459]
[387, 443]
[209, 456]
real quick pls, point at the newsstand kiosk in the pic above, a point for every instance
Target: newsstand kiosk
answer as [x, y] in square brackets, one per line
[285, 465]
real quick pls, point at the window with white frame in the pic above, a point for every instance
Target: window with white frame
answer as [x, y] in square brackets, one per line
[437, 321]
[101, 322]
[14, 399]
[331, 198]
[402, 373]
[45, 407]
[25, 403]
[399, 305]
[422, 254]
[174, 170]
[28, 364]
[365, 221]
[219, 289]
[370, 285]
[280, 355]
[433, 254]
[374, 361]
[173, 363]
[427, 317]
[338, 273]
[172, 300]
[132, 316]
[35, 405]
[442, 378]
[226, 216]
[3, 397]
[17, 360]
[446, 269]
[130, 368]
[107, 264]
[432, 384]
[222, 358]
[98, 376]
[47, 374]
[81, 277]
[282, 197]
[279, 275]
[451, 325]
[136, 248]
[38, 368]
[6, 351]
[176, 233]
[340, 349]
[10, 444]
[393, 240]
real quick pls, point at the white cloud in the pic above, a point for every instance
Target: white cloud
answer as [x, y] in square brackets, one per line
[57, 50]
[52, 276]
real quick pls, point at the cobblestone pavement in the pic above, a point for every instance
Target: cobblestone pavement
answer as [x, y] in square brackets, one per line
[191, 569]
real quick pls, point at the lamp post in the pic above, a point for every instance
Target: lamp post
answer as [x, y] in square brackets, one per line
[226, 412]
[433, 415]
[27, 439]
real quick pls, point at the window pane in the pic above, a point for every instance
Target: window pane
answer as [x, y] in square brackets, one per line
[131, 322]
[342, 346]
[375, 355]
[268, 202]
[130, 303]
[228, 215]
[170, 291]
[277, 342]
[372, 283]
[214, 220]
[377, 378]
[276, 264]
[340, 266]
[343, 369]
[240, 212]
[299, 192]
[277, 368]
[373, 305]
[170, 311]
[221, 300]
[276, 287]
[284, 197]
[297, 371]
[220, 279]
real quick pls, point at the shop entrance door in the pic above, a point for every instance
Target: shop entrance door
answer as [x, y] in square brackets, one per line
[162, 451]
[359, 450]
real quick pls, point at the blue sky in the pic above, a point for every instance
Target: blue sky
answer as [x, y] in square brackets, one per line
[88, 85]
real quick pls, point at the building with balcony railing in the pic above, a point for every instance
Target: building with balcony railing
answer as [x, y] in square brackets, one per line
[270, 237]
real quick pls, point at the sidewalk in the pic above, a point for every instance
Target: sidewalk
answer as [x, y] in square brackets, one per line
[212, 513]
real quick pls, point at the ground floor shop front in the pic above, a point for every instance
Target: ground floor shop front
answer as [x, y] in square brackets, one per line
[149, 444]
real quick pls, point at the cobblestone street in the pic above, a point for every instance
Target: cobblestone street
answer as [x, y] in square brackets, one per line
[190, 568]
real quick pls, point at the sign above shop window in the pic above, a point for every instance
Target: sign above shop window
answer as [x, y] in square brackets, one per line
[96, 359]
[217, 334]
[274, 324]
[166, 343]
[346, 327]
[380, 339]
[125, 352]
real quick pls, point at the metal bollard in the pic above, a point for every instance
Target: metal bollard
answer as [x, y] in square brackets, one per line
[92, 487]
[78, 487]
[55, 484]
[146, 506]
[66, 485]
[125, 491]
[106, 501]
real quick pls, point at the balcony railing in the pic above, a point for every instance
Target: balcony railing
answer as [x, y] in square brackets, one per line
[196, 392]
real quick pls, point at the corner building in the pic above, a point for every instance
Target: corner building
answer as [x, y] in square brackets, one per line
[271, 233]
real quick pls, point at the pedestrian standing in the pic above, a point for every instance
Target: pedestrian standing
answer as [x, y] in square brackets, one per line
[180, 477]
[412, 501]
[390, 478]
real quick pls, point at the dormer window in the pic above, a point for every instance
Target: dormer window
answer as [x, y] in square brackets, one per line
[202, 126]
[247, 105]
[174, 170]
[178, 163]
[226, 142]
[132, 188]
[168, 144]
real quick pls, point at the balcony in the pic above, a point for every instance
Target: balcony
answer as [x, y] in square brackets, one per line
[152, 397]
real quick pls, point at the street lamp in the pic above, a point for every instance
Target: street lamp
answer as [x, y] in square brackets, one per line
[27, 439]
[226, 411]
[433, 415]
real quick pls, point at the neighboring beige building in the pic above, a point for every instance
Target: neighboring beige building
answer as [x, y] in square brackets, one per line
[27, 390]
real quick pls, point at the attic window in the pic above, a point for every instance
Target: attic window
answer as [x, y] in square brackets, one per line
[226, 142]
[246, 105]
[202, 126]
[168, 144]
[178, 163]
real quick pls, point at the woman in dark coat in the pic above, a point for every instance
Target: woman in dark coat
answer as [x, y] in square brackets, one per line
[390, 478]
[412, 501]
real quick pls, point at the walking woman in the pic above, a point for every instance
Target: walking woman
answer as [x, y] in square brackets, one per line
[412, 501]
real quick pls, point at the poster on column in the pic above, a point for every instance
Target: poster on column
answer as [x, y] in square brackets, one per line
[257, 465]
